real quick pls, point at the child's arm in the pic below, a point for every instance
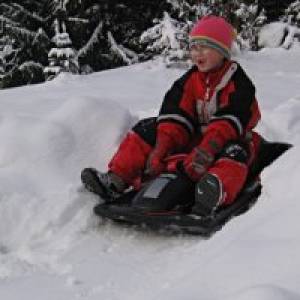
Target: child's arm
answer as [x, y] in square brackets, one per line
[234, 120]
[175, 123]
[177, 117]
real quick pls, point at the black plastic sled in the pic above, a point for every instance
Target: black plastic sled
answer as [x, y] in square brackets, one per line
[145, 211]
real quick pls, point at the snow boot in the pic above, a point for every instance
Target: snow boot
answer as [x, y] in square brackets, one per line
[209, 195]
[107, 185]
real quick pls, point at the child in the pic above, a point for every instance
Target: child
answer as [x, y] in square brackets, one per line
[208, 113]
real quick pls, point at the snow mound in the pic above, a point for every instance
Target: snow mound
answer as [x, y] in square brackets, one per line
[287, 116]
[41, 156]
[272, 34]
[278, 34]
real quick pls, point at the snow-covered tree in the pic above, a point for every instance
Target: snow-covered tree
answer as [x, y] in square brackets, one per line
[62, 56]
[274, 8]
[8, 54]
[168, 37]
[27, 73]
[126, 55]
[85, 55]
[292, 14]
[40, 47]
[250, 20]
[21, 21]
[291, 25]
[189, 10]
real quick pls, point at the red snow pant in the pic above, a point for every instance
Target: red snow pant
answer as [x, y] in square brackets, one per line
[130, 159]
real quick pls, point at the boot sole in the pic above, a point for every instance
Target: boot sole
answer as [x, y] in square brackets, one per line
[91, 182]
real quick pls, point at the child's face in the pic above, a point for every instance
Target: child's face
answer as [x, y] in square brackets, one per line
[205, 58]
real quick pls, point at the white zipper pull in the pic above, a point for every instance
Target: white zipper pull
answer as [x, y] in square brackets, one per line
[206, 100]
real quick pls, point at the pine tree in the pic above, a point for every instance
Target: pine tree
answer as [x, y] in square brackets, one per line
[87, 55]
[22, 25]
[168, 37]
[292, 18]
[292, 14]
[40, 45]
[62, 56]
[8, 54]
[126, 55]
[274, 8]
[249, 19]
[189, 10]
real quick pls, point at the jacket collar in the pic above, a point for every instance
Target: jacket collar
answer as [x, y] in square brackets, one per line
[212, 78]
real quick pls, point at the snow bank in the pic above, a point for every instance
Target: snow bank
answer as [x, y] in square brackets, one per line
[277, 34]
[41, 157]
[287, 115]
[272, 35]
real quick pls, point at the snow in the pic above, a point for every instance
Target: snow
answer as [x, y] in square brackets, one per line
[52, 247]
[272, 34]
[278, 34]
[65, 53]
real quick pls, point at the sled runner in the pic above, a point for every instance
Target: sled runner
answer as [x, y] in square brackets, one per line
[162, 204]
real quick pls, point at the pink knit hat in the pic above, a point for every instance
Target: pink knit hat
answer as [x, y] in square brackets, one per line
[214, 32]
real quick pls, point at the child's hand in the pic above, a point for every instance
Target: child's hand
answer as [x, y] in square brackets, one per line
[155, 163]
[197, 163]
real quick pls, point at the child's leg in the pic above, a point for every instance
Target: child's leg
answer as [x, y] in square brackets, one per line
[127, 165]
[232, 175]
[130, 159]
[231, 169]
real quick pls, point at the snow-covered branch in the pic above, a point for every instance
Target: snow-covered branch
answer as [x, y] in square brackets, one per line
[127, 55]
[94, 39]
[27, 13]
[21, 32]
[5, 21]
[167, 34]
[168, 38]
[78, 20]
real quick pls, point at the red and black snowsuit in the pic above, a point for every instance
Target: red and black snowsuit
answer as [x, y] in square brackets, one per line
[207, 110]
